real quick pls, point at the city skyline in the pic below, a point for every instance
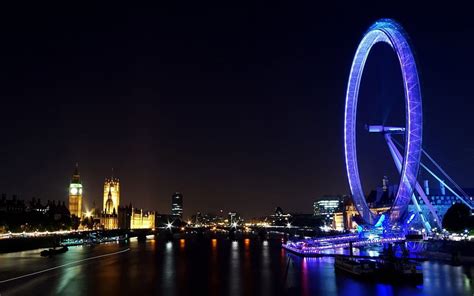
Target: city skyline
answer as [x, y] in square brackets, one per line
[245, 116]
[275, 148]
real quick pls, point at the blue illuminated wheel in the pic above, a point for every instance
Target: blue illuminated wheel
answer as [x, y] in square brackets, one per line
[390, 32]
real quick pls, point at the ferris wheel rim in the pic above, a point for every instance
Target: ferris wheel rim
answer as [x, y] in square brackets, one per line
[390, 32]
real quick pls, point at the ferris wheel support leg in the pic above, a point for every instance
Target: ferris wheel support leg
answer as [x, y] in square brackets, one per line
[447, 186]
[462, 198]
[397, 158]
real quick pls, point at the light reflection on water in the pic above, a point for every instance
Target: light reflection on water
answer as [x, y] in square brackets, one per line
[67, 279]
[169, 269]
[209, 267]
[213, 270]
[265, 275]
[234, 274]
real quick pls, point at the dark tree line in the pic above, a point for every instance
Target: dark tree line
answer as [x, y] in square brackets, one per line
[458, 218]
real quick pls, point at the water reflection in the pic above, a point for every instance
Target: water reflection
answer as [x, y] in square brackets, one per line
[234, 271]
[214, 269]
[265, 277]
[247, 270]
[304, 277]
[67, 279]
[214, 243]
[247, 243]
[168, 270]
[208, 267]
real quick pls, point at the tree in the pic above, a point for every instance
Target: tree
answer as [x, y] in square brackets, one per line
[457, 218]
[75, 222]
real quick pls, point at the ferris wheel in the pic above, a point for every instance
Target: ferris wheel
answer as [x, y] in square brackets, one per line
[407, 158]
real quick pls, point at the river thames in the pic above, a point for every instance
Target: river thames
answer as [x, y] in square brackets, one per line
[202, 267]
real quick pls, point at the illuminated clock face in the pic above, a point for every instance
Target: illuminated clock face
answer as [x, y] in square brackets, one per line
[80, 190]
[73, 190]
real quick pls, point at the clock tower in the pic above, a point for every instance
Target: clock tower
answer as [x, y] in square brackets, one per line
[75, 194]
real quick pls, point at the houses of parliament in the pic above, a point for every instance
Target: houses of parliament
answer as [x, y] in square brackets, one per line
[112, 215]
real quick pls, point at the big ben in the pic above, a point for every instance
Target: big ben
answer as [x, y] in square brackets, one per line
[75, 194]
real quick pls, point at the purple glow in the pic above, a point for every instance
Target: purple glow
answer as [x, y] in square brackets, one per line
[336, 238]
[392, 33]
[301, 248]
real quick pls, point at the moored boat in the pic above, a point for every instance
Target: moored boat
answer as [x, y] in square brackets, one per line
[54, 251]
[400, 270]
[380, 269]
[357, 267]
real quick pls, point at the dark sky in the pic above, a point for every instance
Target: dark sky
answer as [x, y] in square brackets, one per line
[238, 107]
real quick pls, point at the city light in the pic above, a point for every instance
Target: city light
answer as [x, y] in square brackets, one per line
[305, 249]
[251, 224]
[325, 228]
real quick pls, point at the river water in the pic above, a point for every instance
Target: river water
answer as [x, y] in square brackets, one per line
[202, 267]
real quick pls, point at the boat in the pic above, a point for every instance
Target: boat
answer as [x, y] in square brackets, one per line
[357, 267]
[380, 269]
[394, 268]
[54, 251]
[400, 269]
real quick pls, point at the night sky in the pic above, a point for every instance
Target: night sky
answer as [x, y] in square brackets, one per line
[239, 108]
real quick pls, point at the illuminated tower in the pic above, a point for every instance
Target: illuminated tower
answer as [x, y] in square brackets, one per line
[109, 204]
[111, 195]
[177, 205]
[75, 194]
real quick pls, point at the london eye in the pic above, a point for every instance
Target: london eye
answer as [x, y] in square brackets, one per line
[407, 157]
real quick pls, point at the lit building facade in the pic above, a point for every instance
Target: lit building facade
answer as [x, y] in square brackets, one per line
[325, 208]
[75, 194]
[350, 214]
[338, 221]
[141, 220]
[177, 205]
[111, 195]
[327, 205]
[110, 213]
[131, 218]
[109, 221]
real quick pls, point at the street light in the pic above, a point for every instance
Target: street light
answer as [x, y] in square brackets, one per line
[88, 214]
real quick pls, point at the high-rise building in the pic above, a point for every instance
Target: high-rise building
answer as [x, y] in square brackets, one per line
[325, 208]
[177, 205]
[75, 194]
[111, 195]
[326, 205]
